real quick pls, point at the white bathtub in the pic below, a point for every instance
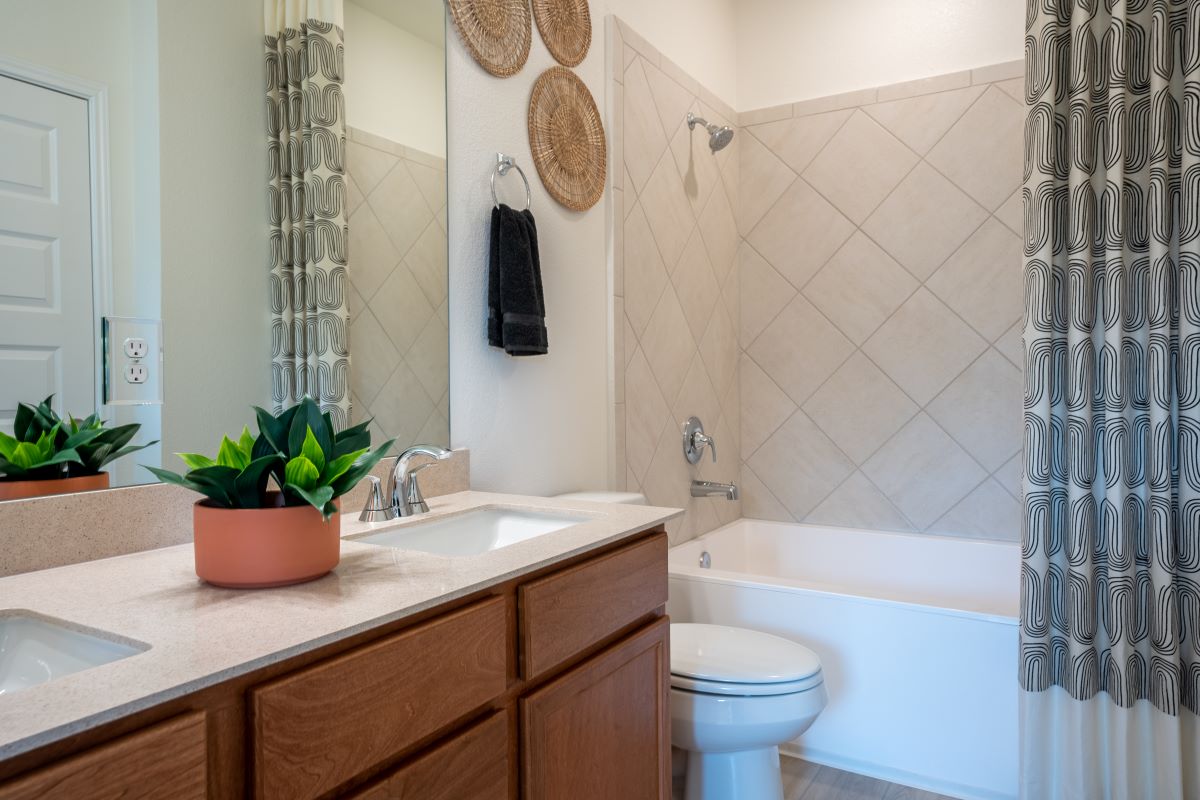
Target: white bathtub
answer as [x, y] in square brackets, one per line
[917, 637]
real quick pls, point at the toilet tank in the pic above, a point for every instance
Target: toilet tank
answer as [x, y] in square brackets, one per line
[628, 498]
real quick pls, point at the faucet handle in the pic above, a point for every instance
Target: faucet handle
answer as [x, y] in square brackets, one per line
[375, 510]
[695, 440]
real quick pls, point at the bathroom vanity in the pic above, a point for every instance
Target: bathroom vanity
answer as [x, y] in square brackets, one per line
[536, 670]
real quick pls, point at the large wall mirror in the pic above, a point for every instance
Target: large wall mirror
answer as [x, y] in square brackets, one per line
[134, 199]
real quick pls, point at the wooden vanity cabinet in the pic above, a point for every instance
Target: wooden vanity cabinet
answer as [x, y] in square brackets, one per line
[552, 685]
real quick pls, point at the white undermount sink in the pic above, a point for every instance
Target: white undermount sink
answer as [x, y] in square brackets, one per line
[473, 532]
[36, 649]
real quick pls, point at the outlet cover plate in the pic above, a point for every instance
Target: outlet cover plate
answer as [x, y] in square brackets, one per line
[119, 390]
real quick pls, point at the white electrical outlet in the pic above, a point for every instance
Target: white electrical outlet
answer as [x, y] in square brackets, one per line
[136, 373]
[133, 361]
[135, 347]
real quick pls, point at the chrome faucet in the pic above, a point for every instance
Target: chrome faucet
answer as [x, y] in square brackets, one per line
[403, 491]
[710, 488]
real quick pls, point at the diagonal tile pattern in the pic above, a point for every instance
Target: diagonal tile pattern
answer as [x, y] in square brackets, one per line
[837, 294]
[900, 349]
[399, 372]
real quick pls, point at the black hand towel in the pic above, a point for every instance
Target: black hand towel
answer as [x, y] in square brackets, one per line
[516, 308]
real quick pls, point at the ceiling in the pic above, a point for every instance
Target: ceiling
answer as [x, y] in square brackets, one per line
[425, 19]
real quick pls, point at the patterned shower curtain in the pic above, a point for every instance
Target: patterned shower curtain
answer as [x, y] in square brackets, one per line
[306, 145]
[1110, 605]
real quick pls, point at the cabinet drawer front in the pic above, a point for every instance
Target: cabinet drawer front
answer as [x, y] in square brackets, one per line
[321, 726]
[473, 764]
[163, 762]
[565, 613]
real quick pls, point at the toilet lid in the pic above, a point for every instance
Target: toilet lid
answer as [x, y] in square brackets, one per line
[719, 653]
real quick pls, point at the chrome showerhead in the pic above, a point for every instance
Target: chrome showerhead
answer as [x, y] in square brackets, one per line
[719, 136]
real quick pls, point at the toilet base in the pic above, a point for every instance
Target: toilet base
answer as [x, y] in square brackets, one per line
[743, 775]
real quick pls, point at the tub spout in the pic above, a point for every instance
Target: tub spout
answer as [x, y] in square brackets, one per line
[710, 488]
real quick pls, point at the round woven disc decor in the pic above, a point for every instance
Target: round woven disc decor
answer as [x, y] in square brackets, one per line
[566, 136]
[566, 28]
[497, 32]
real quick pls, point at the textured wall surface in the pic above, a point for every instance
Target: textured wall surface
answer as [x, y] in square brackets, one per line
[400, 374]
[880, 307]
[675, 283]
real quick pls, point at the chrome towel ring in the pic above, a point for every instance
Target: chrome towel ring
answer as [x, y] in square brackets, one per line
[503, 165]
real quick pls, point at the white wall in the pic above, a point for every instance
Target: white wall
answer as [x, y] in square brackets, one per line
[395, 83]
[698, 35]
[214, 220]
[789, 50]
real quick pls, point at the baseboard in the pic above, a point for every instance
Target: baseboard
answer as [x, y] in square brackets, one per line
[929, 784]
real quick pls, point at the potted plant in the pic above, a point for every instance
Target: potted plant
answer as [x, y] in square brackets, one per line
[49, 455]
[248, 535]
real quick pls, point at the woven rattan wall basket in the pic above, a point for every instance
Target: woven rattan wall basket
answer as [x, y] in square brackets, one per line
[566, 136]
[497, 32]
[566, 28]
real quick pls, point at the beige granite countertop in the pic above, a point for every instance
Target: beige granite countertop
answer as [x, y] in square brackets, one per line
[200, 635]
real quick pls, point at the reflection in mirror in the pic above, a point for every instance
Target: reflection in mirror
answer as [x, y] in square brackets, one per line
[133, 170]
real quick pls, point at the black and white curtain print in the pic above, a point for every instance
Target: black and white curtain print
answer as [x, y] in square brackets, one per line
[1110, 578]
[306, 144]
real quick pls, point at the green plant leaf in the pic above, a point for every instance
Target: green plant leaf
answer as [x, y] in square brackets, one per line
[219, 483]
[251, 485]
[8, 445]
[301, 472]
[11, 470]
[26, 455]
[24, 419]
[336, 468]
[276, 427]
[320, 498]
[230, 455]
[195, 460]
[311, 450]
[246, 442]
[213, 492]
[82, 437]
[364, 464]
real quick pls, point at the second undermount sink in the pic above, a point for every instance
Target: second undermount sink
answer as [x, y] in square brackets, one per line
[36, 649]
[472, 533]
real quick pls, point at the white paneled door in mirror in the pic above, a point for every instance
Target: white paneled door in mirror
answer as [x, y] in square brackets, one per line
[46, 320]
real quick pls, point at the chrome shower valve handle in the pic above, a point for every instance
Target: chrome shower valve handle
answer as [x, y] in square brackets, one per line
[695, 440]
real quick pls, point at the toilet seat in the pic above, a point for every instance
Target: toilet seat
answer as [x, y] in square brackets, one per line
[721, 660]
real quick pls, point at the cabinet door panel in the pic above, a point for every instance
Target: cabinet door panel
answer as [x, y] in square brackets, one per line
[163, 762]
[602, 730]
[473, 764]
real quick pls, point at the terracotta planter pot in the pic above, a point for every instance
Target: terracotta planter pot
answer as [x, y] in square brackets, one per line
[256, 548]
[19, 490]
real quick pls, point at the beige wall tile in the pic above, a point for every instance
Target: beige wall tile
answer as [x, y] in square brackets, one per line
[645, 274]
[373, 253]
[983, 280]
[860, 167]
[646, 413]
[925, 220]
[719, 349]
[923, 471]
[668, 211]
[858, 504]
[1011, 346]
[1009, 475]
[989, 512]
[757, 500]
[920, 122]
[798, 140]
[764, 406]
[800, 465]
[695, 285]
[982, 410]
[696, 166]
[982, 153]
[924, 346]
[999, 72]
[922, 86]
[668, 345]
[644, 138]
[400, 209]
[764, 293]
[761, 115]
[835, 102]
[800, 233]
[770, 177]
[401, 309]
[1012, 213]
[860, 287]
[375, 357]
[671, 100]
[698, 398]
[719, 229]
[859, 408]
[800, 350]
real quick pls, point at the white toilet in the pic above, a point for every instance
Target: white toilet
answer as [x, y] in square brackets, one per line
[736, 695]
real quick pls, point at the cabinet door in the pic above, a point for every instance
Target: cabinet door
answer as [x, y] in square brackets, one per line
[603, 729]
